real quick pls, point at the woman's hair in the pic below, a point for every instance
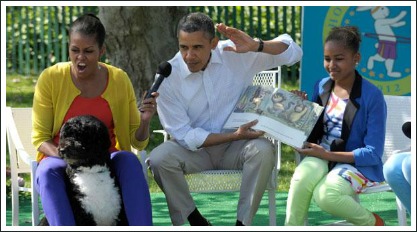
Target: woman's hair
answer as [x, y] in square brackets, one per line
[90, 25]
[197, 21]
[349, 36]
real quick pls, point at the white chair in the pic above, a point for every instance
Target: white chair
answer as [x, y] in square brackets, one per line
[22, 158]
[212, 181]
[398, 112]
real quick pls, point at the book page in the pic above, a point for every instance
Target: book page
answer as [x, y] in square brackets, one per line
[293, 111]
[250, 106]
[282, 114]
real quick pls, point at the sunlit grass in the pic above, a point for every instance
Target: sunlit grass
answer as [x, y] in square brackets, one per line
[19, 90]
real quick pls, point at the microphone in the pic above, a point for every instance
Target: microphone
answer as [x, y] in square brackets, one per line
[407, 129]
[163, 71]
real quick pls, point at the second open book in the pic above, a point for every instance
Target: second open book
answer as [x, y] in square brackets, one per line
[282, 114]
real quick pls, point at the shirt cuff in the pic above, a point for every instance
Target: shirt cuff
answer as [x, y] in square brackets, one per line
[285, 38]
[195, 138]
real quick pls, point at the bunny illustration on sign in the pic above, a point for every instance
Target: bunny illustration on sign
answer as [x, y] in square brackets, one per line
[387, 40]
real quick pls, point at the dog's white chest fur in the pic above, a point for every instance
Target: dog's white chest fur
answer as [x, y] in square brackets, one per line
[102, 198]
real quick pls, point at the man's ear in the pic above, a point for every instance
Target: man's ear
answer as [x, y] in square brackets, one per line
[214, 42]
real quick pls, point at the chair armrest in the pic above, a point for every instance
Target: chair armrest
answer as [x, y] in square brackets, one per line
[166, 135]
[408, 149]
[25, 157]
[15, 138]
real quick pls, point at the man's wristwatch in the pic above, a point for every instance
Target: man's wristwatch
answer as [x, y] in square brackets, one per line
[261, 45]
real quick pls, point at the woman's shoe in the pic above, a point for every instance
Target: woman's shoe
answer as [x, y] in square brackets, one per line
[378, 220]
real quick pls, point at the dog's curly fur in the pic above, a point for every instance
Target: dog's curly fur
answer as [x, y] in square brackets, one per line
[92, 188]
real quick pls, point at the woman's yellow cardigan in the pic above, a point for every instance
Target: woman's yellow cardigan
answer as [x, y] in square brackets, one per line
[55, 91]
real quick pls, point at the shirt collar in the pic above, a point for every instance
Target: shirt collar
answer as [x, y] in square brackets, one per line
[215, 59]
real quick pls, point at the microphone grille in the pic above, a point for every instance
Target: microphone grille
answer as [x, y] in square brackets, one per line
[164, 69]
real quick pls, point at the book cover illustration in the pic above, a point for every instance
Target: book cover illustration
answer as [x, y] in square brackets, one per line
[282, 114]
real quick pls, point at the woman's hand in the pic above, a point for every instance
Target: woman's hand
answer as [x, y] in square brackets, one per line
[148, 107]
[312, 149]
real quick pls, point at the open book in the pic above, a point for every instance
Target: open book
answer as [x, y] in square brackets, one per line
[280, 113]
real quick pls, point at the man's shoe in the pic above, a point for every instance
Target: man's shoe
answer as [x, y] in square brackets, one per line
[196, 219]
[239, 223]
[378, 220]
[205, 223]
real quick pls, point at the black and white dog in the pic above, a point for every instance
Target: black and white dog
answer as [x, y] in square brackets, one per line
[92, 187]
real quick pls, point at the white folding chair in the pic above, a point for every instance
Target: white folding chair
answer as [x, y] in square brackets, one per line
[398, 112]
[215, 181]
[22, 158]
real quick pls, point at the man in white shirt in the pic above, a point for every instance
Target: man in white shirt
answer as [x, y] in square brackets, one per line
[208, 76]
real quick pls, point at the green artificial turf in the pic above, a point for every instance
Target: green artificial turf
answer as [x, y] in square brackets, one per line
[220, 209]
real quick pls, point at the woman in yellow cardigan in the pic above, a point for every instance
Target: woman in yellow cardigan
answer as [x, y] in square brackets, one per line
[86, 86]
